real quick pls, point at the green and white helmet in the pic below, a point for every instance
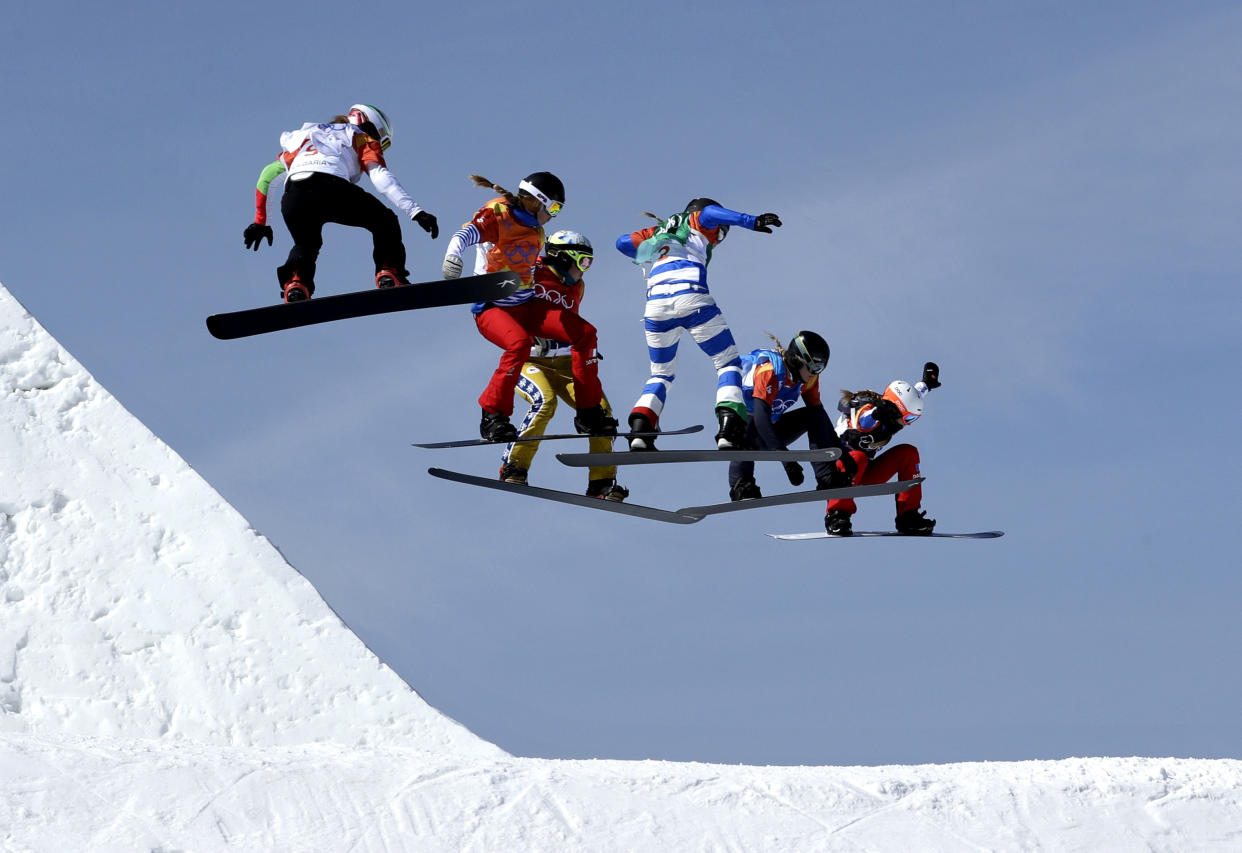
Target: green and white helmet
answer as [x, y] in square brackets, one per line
[360, 114]
[572, 247]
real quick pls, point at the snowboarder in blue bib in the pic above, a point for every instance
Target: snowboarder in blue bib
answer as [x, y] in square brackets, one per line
[773, 381]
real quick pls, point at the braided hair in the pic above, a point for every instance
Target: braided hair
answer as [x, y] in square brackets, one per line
[480, 181]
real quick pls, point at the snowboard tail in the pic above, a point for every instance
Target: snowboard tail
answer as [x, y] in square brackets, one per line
[574, 498]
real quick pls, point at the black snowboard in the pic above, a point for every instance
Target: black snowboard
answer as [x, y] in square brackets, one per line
[574, 498]
[362, 303]
[586, 460]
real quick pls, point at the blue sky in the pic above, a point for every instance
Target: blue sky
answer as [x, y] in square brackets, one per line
[1044, 198]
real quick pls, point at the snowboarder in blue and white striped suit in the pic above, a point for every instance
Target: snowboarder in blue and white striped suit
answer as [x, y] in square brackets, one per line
[674, 256]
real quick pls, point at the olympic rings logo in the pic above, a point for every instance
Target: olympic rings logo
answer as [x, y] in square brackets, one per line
[556, 297]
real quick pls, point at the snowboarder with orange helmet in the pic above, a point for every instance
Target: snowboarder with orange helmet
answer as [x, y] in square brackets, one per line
[867, 423]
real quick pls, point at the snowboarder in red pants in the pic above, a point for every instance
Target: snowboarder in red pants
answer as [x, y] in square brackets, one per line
[867, 423]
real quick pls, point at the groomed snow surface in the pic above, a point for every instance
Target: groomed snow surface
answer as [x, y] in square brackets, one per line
[169, 683]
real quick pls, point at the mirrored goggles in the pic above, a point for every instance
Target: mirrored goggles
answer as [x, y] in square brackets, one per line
[552, 206]
[582, 259]
[907, 417]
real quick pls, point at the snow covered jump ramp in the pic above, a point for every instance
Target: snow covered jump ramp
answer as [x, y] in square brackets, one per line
[169, 683]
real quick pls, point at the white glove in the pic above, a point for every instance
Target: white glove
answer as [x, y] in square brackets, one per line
[452, 266]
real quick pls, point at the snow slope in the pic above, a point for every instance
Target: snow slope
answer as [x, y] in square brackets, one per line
[169, 683]
[136, 602]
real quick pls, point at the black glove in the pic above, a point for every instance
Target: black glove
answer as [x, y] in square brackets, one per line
[840, 476]
[255, 233]
[836, 479]
[794, 472]
[428, 223]
[931, 375]
[765, 222]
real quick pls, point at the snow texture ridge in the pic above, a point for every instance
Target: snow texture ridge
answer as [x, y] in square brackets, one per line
[128, 795]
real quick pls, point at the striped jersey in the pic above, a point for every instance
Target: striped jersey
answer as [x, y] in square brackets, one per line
[675, 254]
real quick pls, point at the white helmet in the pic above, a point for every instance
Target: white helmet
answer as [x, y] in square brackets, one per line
[907, 399]
[360, 114]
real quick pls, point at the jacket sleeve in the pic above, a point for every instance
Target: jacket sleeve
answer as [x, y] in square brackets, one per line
[387, 183]
[270, 172]
[627, 244]
[713, 216]
[761, 417]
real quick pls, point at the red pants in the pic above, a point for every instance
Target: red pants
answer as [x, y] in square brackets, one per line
[511, 329]
[902, 460]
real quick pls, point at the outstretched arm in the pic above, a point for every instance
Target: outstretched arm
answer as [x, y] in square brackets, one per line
[386, 182]
[270, 172]
[714, 216]
[258, 231]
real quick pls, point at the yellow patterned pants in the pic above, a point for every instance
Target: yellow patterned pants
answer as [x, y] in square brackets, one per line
[543, 381]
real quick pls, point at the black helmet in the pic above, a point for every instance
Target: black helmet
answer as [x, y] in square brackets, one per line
[546, 187]
[699, 204]
[809, 349]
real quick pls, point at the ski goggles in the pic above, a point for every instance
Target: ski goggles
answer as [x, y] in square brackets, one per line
[907, 417]
[583, 260]
[552, 206]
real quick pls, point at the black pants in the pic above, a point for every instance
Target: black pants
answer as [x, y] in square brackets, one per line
[789, 427]
[312, 202]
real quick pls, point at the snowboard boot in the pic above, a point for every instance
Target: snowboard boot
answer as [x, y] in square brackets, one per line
[496, 427]
[914, 522]
[640, 423]
[294, 290]
[744, 490]
[837, 523]
[510, 473]
[732, 432]
[594, 422]
[607, 489]
[388, 277]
